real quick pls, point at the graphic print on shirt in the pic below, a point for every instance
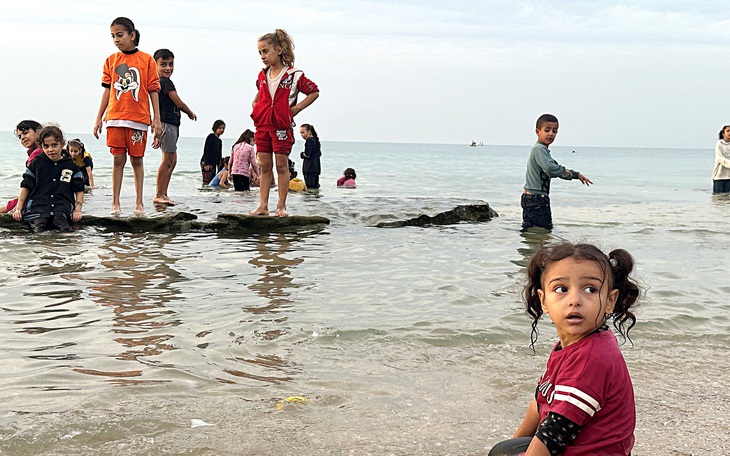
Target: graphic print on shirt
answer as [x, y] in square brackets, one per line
[128, 81]
[66, 175]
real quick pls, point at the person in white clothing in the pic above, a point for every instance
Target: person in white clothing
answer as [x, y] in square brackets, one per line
[721, 172]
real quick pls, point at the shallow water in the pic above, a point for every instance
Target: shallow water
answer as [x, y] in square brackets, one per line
[403, 340]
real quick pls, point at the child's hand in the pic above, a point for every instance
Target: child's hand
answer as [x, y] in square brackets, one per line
[17, 215]
[76, 216]
[157, 131]
[192, 116]
[97, 128]
[584, 179]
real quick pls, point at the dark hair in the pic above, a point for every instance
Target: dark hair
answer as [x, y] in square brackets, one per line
[619, 262]
[722, 130]
[50, 131]
[310, 128]
[129, 26]
[245, 137]
[292, 169]
[217, 124]
[224, 161]
[350, 173]
[25, 125]
[545, 118]
[163, 54]
[281, 38]
[76, 142]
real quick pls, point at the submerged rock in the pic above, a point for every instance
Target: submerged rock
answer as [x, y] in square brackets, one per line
[467, 213]
[185, 221]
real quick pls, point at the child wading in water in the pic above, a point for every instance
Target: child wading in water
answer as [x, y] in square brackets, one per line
[243, 162]
[52, 190]
[26, 132]
[274, 108]
[541, 168]
[82, 159]
[130, 84]
[585, 400]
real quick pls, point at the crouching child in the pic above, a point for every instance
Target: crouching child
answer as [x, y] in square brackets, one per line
[52, 190]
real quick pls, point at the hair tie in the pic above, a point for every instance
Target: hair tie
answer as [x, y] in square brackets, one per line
[614, 262]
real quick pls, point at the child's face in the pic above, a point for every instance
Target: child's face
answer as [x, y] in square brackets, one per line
[306, 134]
[575, 295]
[74, 151]
[27, 138]
[547, 132]
[123, 40]
[219, 131]
[165, 67]
[270, 55]
[726, 134]
[52, 147]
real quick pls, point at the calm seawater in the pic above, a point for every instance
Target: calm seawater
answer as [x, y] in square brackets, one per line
[403, 341]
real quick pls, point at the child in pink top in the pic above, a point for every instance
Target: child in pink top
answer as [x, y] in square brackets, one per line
[243, 161]
[348, 178]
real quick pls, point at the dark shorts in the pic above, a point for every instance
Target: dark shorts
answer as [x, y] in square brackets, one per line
[721, 186]
[536, 211]
[241, 183]
[512, 447]
[277, 141]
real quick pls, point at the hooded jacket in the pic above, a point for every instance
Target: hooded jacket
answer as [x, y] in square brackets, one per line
[268, 114]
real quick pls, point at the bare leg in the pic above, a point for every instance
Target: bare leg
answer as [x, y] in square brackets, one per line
[282, 170]
[265, 185]
[138, 169]
[164, 174]
[117, 174]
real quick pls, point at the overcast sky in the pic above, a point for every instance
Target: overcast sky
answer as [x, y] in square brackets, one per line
[645, 73]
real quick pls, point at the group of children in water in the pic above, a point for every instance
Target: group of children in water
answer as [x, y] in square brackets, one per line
[584, 402]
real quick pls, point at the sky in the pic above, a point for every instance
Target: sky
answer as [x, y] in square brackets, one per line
[616, 74]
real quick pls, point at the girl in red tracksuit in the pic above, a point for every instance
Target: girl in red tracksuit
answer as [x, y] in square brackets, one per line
[274, 108]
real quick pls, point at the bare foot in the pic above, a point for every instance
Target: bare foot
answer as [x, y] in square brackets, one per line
[260, 211]
[281, 212]
[163, 200]
[139, 210]
[116, 210]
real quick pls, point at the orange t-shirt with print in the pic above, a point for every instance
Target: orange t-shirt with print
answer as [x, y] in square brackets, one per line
[130, 77]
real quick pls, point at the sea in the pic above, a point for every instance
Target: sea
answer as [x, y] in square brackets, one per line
[348, 338]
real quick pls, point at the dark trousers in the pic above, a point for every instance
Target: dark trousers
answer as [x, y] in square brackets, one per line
[512, 447]
[721, 186]
[241, 183]
[59, 221]
[312, 180]
[536, 211]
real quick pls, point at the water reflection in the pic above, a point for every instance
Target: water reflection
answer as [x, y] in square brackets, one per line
[139, 280]
[532, 239]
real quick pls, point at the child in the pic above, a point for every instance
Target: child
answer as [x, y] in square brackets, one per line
[82, 159]
[585, 400]
[212, 152]
[52, 191]
[311, 167]
[27, 134]
[721, 172]
[133, 76]
[243, 162]
[541, 167]
[348, 178]
[274, 109]
[170, 107]
[221, 179]
[295, 184]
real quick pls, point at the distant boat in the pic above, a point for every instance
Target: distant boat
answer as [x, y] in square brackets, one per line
[474, 144]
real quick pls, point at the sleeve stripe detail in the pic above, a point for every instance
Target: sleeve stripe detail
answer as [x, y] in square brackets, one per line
[581, 405]
[576, 392]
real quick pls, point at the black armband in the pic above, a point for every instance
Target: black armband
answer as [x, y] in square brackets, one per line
[556, 432]
[106, 86]
[574, 174]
